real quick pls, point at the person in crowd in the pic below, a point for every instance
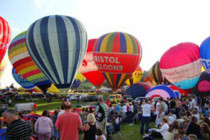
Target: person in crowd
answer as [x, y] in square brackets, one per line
[17, 129]
[68, 123]
[20, 116]
[172, 132]
[146, 109]
[43, 126]
[62, 109]
[101, 113]
[205, 131]
[156, 106]
[54, 118]
[118, 108]
[82, 115]
[100, 135]
[161, 111]
[194, 128]
[171, 117]
[90, 128]
[159, 133]
[124, 111]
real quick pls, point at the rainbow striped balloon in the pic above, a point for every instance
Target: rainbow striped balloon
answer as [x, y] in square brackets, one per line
[117, 56]
[24, 65]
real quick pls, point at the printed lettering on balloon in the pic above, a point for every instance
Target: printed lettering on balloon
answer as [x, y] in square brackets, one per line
[206, 65]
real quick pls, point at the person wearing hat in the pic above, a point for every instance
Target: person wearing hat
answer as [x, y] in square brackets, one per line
[90, 127]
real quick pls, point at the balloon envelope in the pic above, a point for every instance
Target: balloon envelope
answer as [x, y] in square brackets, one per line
[156, 74]
[78, 80]
[5, 36]
[22, 81]
[89, 68]
[178, 91]
[137, 90]
[181, 65]
[111, 54]
[136, 77]
[160, 91]
[57, 44]
[24, 65]
[205, 54]
[3, 65]
[203, 85]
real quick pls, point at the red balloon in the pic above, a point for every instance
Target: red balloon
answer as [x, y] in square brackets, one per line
[5, 36]
[89, 68]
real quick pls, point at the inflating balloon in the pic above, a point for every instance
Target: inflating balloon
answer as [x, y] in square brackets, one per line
[78, 80]
[205, 54]
[3, 65]
[138, 90]
[136, 77]
[117, 56]
[181, 65]
[89, 68]
[178, 91]
[203, 85]
[57, 44]
[160, 91]
[22, 81]
[5, 36]
[24, 65]
[156, 74]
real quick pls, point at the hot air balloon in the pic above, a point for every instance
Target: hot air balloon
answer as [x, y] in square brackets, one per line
[205, 54]
[181, 65]
[22, 81]
[156, 74]
[203, 85]
[160, 91]
[89, 68]
[178, 91]
[3, 65]
[117, 56]
[57, 44]
[24, 65]
[136, 77]
[5, 36]
[138, 90]
[78, 80]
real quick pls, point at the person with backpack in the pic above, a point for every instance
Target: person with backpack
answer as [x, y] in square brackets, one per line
[101, 114]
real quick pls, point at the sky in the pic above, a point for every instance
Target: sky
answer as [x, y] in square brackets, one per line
[157, 24]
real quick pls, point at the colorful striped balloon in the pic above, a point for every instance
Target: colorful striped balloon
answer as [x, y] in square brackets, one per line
[22, 81]
[57, 44]
[156, 74]
[5, 36]
[78, 80]
[24, 65]
[181, 65]
[3, 65]
[117, 56]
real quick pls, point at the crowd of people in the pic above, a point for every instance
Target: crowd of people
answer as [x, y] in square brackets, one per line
[174, 119]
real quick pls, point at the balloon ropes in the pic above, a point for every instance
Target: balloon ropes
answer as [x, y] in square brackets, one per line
[111, 54]
[138, 90]
[181, 65]
[89, 69]
[5, 36]
[160, 91]
[24, 65]
[57, 44]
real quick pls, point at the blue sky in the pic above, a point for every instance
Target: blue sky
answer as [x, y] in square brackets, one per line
[157, 24]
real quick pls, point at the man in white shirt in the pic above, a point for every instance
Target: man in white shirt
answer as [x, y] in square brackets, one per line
[124, 110]
[146, 113]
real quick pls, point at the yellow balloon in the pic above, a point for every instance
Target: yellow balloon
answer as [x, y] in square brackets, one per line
[3, 66]
[53, 89]
[136, 77]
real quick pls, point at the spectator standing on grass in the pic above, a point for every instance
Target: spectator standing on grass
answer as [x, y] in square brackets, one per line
[101, 113]
[17, 129]
[90, 128]
[68, 123]
[54, 118]
[146, 109]
[43, 126]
